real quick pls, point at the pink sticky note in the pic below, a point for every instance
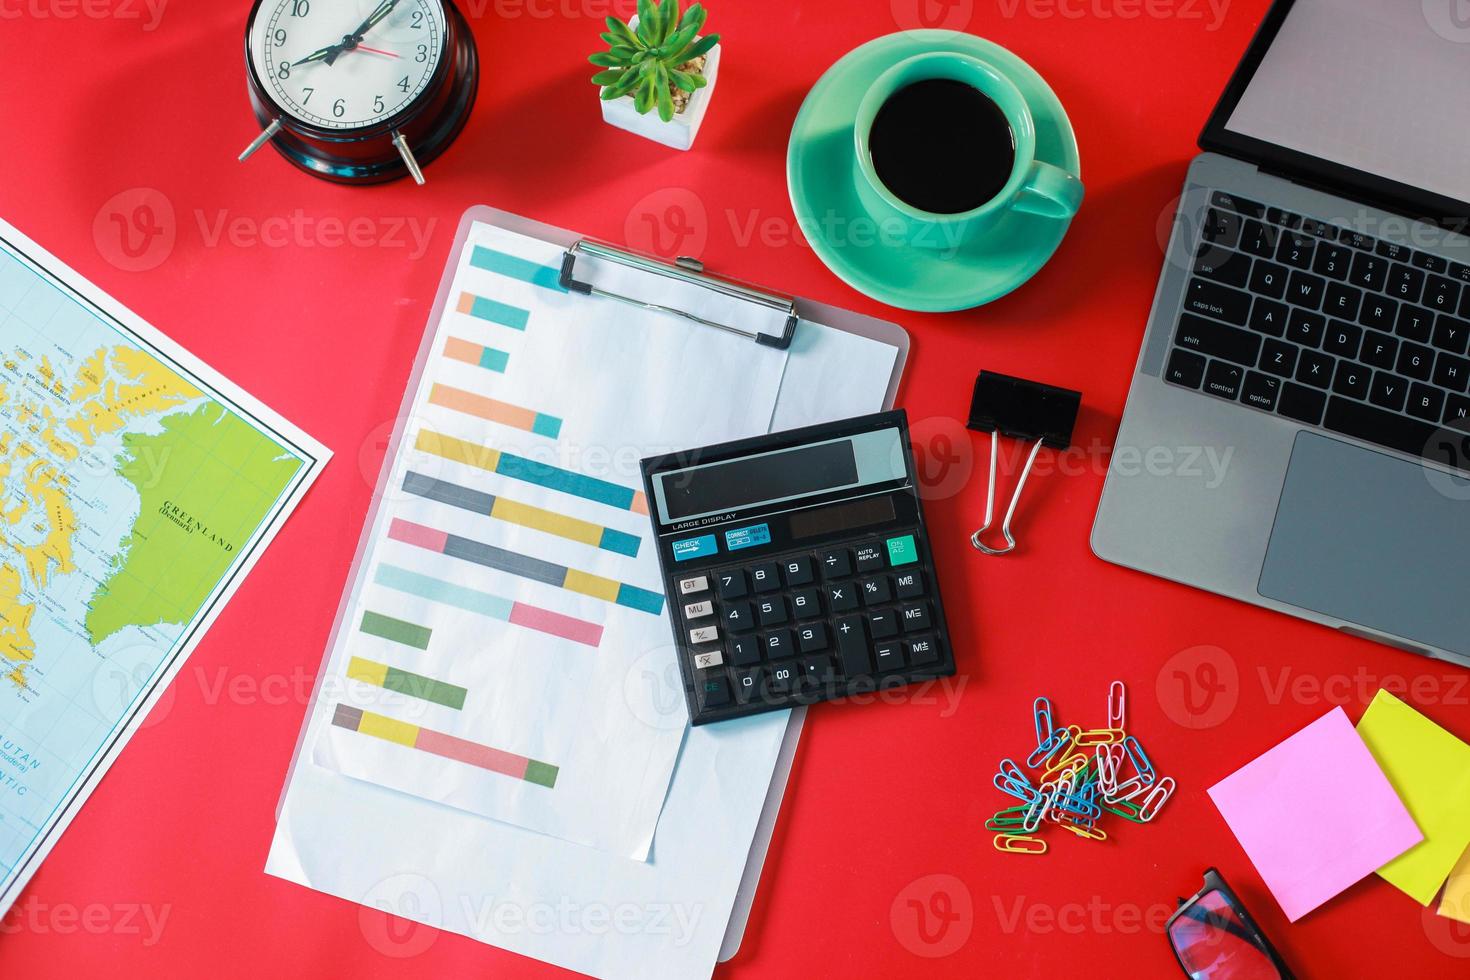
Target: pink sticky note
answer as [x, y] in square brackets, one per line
[1315, 814]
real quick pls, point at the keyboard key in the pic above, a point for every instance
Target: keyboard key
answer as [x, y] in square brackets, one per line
[1332, 261]
[1268, 316]
[1314, 368]
[1369, 272]
[888, 656]
[745, 651]
[871, 557]
[876, 591]
[1185, 368]
[781, 679]
[698, 610]
[1343, 339]
[1222, 227]
[1433, 263]
[1425, 402]
[780, 644]
[1415, 323]
[739, 617]
[1365, 422]
[1441, 295]
[923, 651]
[805, 604]
[798, 571]
[704, 634]
[815, 673]
[1306, 328]
[1302, 404]
[1380, 350]
[1451, 372]
[852, 646]
[772, 611]
[1296, 250]
[1305, 289]
[1259, 239]
[1220, 302]
[1321, 229]
[714, 692]
[1223, 380]
[1457, 412]
[1352, 380]
[1218, 340]
[842, 596]
[1378, 312]
[836, 563]
[731, 583]
[1450, 334]
[915, 617]
[1394, 251]
[909, 585]
[749, 684]
[693, 585]
[1222, 265]
[708, 659]
[882, 624]
[765, 578]
[1357, 240]
[1388, 391]
[1267, 279]
[1459, 271]
[1279, 358]
[1288, 218]
[811, 639]
[1235, 202]
[1341, 301]
[902, 550]
[1416, 361]
[1261, 391]
[1405, 283]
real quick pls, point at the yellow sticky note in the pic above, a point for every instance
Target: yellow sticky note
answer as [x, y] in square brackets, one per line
[1456, 901]
[1430, 770]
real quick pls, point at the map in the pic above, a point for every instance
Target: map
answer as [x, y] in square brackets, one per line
[130, 493]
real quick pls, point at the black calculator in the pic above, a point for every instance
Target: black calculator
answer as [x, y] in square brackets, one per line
[797, 567]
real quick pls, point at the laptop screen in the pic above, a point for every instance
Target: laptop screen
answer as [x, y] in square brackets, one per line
[1379, 86]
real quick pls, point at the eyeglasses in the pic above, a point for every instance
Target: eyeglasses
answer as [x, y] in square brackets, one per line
[1214, 937]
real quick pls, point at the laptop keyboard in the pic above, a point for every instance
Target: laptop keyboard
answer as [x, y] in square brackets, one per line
[1328, 327]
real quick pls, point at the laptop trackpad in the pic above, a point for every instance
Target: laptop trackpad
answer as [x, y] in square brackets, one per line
[1373, 540]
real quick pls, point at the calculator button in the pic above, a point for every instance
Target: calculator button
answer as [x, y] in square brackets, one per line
[871, 557]
[798, 571]
[748, 684]
[852, 646]
[836, 563]
[923, 650]
[915, 617]
[704, 634]
[883, 624]
[739, 618]
[698, 610]
[902, 550]
[714, 692]
[876, 591]
[909, 585]
[779, 644]
[704, 661]
[842, 596]
[816, 672]
[745, 651]
[810, 639]
[772, 611]
[888, 656]
[693, 585]
[783, 679]
[805, 604]
[764, 578]
[731, 583]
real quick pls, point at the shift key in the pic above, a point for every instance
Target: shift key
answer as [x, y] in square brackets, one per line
[1220, 302]
[1218, 340]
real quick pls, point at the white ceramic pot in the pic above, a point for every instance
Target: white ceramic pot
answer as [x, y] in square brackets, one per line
[678, 132]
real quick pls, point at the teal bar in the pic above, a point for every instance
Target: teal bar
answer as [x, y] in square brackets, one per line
[546, 425]
[515, 267]
[555, 478]
[494, 359]
[502, 313]
[620, 541]
[640, 599]
[435, 590]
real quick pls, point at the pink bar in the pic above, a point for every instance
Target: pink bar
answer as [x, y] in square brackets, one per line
[416, 534]
[471, 753]
[546, 621]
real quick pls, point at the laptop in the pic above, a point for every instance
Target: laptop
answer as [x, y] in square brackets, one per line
[1297, 433]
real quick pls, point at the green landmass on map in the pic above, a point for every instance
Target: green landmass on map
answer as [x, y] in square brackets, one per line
[206, 482]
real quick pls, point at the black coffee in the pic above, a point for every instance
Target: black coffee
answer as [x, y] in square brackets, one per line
[942, 146]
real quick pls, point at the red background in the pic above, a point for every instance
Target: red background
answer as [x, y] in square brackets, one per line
[883, 796]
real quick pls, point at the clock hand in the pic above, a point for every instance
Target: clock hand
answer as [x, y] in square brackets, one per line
[316, 55]
[351, 41]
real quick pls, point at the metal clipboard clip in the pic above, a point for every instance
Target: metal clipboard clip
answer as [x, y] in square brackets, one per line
[685, 270]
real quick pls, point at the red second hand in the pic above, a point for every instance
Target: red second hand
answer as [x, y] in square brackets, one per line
[364, 47]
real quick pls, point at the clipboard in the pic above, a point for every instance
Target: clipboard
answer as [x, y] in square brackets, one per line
[785, 313]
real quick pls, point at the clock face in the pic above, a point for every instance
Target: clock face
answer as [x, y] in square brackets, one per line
[346, 64]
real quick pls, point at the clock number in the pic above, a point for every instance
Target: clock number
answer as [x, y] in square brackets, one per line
[300, 8]
[403, 83]
[284, 71]
[339, 107]
[308, 90]
[423, 53]
[377, 103]
[280, 36]
[418, 20]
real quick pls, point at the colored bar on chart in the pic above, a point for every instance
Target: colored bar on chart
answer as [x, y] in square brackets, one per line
[397, 630]
[515, 267]
[405, 682]
[524, 566]
[445, 746]
[491, 606]
[491, 410]
[492, 311]
[528, 471]
[525, 515]
[479, 355]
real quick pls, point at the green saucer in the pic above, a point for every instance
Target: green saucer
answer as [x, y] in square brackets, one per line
[820, 175]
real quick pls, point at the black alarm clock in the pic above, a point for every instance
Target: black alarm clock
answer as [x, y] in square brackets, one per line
[359, 91]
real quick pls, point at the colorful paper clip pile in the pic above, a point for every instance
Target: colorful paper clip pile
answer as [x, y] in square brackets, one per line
[1083, 773]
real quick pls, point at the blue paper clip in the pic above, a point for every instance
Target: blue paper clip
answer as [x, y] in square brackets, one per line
[1013, 781]
[1140, 758]
[1041, 710]
[1053, 744]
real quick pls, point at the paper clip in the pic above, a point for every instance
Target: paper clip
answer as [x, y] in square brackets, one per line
[1140, 758]
[1099, 736]
[1117, 704]
[1012, 780]
[1091, 833]
[1047, 749]
[1125, 809]
[1009, 820]
[1155, 800]
[1039, 809]
[1019, 844]
[1107, 767]
[1023, 410]
[1041, 711]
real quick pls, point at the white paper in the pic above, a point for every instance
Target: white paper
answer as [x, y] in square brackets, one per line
[138, 488]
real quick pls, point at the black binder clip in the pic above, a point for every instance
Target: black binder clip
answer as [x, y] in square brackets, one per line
[1023, 410]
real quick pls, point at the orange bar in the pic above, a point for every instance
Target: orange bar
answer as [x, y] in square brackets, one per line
[463, 350]
[482, 407]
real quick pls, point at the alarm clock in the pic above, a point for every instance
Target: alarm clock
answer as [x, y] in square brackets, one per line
[359, 91]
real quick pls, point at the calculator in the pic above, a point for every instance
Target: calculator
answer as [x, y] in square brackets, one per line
[797, 567]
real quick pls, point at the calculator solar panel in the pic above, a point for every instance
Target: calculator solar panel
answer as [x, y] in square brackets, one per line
[797, 567]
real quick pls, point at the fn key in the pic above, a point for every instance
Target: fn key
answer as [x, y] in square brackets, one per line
[1185, 368]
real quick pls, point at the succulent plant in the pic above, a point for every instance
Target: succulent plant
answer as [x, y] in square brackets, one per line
[646, 61]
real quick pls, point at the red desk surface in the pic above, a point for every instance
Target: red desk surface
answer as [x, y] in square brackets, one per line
[880, 865]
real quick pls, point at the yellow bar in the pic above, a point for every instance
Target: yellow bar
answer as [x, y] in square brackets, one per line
[544, 520]
[457, 450]
[388, 729]
[594, 585]
[367, 672]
